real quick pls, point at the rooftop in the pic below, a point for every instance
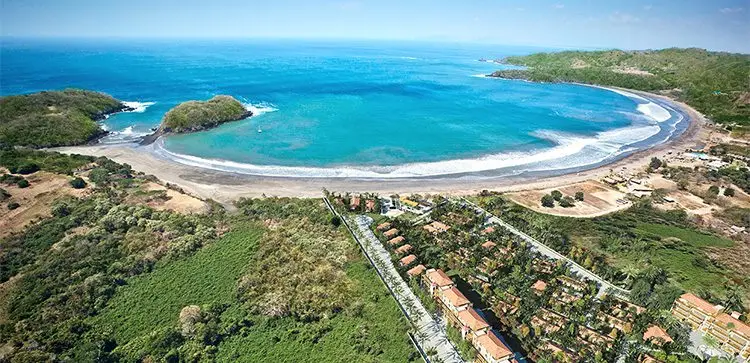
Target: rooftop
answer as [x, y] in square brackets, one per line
[408, 260]
[493, 345]
[739, 326]
[383, 226]
[416, 271]
[539, 285]
[396, 240]
[391, 232]
[439, 278]
[489, 244]
[404, 249]
[699, 303]
[472, 319]
[656, 332]
[455, 297]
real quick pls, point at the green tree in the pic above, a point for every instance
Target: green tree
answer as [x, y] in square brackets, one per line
[729, 192]
[27, 168]
[335, 221]
[13, 205]
[78, 183]
[23, 183]
[567, 202]
[557, 195]
[579, 196]
[713, 190]
[655, 163]
[548, 201]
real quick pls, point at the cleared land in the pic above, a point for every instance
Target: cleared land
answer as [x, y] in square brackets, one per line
[598, 200]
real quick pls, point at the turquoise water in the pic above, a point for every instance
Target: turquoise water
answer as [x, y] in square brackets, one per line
[358, 109]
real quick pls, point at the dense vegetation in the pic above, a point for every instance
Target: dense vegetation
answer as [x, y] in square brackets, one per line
[624, 247]
[54, 118]
[107, 279]
[714, 83]
[198, 115]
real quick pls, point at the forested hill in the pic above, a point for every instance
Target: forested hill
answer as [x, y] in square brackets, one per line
[198, 115]
[716, 84]
[54, 118]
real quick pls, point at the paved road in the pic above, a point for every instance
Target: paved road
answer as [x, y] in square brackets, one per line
[431, 335]
[549, 252]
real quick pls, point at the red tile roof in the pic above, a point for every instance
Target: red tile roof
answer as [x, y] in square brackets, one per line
[489, 244]
[396, 240]
[472, 319]
[439, 278]
[404, 249]
[739, 326]
[391, 232]
[493, 345]
[655, 332]
[416, 271]
[354, 202]
[370, 205]
[455, 297]
[383, 226]
[440, 226]
[408, 260]
[487, 230]
[699, 303]
[539, 285]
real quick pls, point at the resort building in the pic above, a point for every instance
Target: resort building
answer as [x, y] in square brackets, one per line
[404, 249]
[437, 280]
[369, 205]
[453, 300]
[732, 334]
[354, 203]
[395, 241]
[408, 260]
[436, 227]
[491, 349]
[472, 324]
[416, 271]
[390, 233]
[657, 335]
[384, 226]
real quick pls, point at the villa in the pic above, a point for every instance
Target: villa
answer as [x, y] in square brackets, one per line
[354, 203]
[395, 241]
[658, 335]
[437, 280]
[383, 226]
[488, 245]
[404, 249]
[492, 350]
[416, 271]
[454, 300]
[472, 325]
[539, 286]
[390, 233]
[408, 260]
[436, 227]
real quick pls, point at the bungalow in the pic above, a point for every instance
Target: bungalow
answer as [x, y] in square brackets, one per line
[396, 240]
[383, 226]
[440, 227]
[472, 324]
[408, 260]
[430, 229]
[539, 286]
[489, 245]
[354, 203]
[657, 334]
[404, 249]
[369, 205]
[416, 271]
[492, 350]
[391, 232]
[488, 230]
[437, 280]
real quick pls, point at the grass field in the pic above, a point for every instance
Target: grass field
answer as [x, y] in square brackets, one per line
[692, 237]
[209, 276]
[373, 330]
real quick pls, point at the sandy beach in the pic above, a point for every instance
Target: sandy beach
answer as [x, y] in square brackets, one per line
[225, 187]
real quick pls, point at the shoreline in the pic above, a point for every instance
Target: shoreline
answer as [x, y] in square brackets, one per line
[225, 187]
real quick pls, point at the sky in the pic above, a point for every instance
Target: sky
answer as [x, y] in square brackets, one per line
[627, 24]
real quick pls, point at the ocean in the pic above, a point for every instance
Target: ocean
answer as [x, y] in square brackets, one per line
[361, 109]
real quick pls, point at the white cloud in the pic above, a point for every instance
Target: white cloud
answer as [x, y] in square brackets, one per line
[623, 18]
[731, 10]
[559, 6]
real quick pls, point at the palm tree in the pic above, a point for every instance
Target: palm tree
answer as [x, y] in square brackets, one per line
[630, 271]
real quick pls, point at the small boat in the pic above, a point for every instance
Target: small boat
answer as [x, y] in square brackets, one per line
[259, 130]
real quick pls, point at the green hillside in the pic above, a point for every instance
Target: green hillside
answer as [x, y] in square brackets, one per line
[715, 84]
[198, 115]
[54, 118]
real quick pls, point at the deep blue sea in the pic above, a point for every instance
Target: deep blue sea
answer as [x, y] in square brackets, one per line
[335, 108]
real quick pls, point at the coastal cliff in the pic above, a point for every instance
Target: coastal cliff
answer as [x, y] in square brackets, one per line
[193, 116]
[55, 118]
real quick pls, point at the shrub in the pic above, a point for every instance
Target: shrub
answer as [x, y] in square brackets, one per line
[557, 195]
[13, 205]
[23, 183]
[729, 192]
[335, 221]
[579, 196]
[78, 183]
[548, 201]
[27, 168]
[655, 163]
[4, 195]
[713, 190]
[567, 202]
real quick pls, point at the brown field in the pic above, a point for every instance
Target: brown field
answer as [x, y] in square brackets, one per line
[178, 202]
[35, 201]
[598, 199]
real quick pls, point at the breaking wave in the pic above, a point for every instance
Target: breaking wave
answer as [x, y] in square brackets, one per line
[138, 107]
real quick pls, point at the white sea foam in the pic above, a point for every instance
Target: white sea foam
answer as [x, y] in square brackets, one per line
[260, 108]
[479, 75]
[126, 134]
[138, 107]
[645, 106]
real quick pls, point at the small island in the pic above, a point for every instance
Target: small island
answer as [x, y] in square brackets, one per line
[55, 118]
[193, 116]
